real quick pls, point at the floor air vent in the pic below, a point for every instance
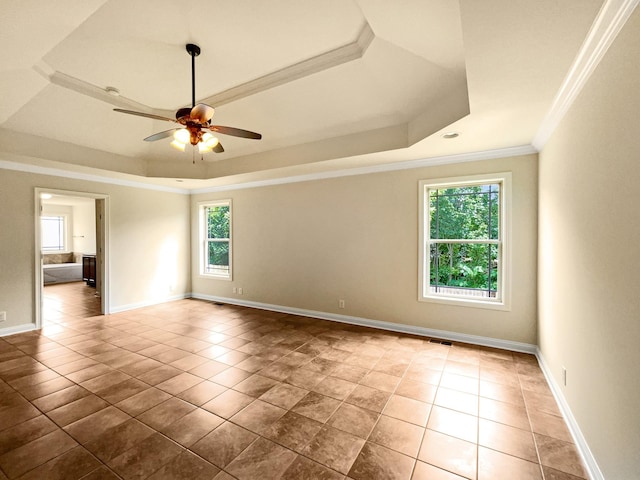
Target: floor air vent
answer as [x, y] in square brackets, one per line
[441, 342]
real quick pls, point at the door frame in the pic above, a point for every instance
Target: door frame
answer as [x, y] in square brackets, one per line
[101, 256]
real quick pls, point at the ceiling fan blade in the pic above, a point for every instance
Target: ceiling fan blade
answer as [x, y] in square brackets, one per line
[142, 114]
[202, 112]
[218, 148]
[161, 135]
[236, 132]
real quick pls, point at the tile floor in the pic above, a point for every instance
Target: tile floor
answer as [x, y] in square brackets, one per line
[195, 390]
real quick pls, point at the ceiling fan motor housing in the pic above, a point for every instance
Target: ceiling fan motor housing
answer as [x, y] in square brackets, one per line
[183, 113]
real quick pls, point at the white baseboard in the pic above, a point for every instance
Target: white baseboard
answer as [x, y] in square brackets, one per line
[593, 471]
[591, 465]
[150, 303]
[26, 327]
[366, 322]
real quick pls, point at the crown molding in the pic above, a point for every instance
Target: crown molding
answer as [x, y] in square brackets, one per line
[88, 89]
[604, 30]
[387, 167]
[56, 172]
[324, 61]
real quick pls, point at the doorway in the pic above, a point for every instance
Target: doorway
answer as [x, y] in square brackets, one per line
[71, 255]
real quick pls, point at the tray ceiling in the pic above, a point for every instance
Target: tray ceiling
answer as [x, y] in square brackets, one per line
[353, 81]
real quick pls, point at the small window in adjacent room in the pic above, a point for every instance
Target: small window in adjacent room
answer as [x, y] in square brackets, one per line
[54, 233]
[215, 233]
[464, 246]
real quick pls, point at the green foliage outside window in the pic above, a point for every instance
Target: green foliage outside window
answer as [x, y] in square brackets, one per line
[219, 255]
[464, 213]
[218, 222]
[218, 237]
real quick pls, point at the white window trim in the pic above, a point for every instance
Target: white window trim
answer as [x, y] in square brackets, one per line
[504, 275]
[67, 234]
[202, 239]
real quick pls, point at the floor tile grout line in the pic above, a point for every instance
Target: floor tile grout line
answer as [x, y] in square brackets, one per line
[182, 332]
[533, 437]
[426, 425]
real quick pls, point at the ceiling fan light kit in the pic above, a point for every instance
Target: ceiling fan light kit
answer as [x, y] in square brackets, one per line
[195, 122]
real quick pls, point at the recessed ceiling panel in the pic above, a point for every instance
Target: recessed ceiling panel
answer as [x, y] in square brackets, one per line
[519, 51]
[30, 28]
[408, 81]
[18, 87]
[63, 115]
[430, 29]
[334, 102]
[138, 46]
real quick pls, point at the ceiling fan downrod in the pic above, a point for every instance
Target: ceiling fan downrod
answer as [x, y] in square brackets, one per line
[194, 51]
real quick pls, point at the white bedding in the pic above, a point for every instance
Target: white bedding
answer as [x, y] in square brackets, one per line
[62, 272]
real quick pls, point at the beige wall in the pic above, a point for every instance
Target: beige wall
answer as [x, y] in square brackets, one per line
[149, 242]
[81, 226]
[305, 245]
[84, 228]
[589, 302]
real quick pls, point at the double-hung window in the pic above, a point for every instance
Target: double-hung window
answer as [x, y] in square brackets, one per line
[464, 245]
[215, 236]
[54, 233]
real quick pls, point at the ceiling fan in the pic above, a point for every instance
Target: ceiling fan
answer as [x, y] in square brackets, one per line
[195, 122]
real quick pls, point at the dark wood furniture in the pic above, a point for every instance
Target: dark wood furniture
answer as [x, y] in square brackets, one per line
[89, 269]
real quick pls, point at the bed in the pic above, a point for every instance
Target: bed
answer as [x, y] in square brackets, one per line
[61, 273]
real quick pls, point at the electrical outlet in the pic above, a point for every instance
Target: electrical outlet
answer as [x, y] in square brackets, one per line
[341, 303]
[240, 291]
[235, 289]
[3, 316]
[564, 376]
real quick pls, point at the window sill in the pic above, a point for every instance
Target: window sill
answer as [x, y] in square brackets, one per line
[465, 302]
[212, 276]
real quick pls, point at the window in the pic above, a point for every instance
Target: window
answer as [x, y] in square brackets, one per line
[54, 233]
[463, 258]
[215, 231]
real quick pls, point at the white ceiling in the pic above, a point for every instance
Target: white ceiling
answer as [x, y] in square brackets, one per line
[330, 84]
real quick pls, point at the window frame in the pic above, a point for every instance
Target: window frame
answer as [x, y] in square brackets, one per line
[204, 240]
[66, 243]
[504, 237]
